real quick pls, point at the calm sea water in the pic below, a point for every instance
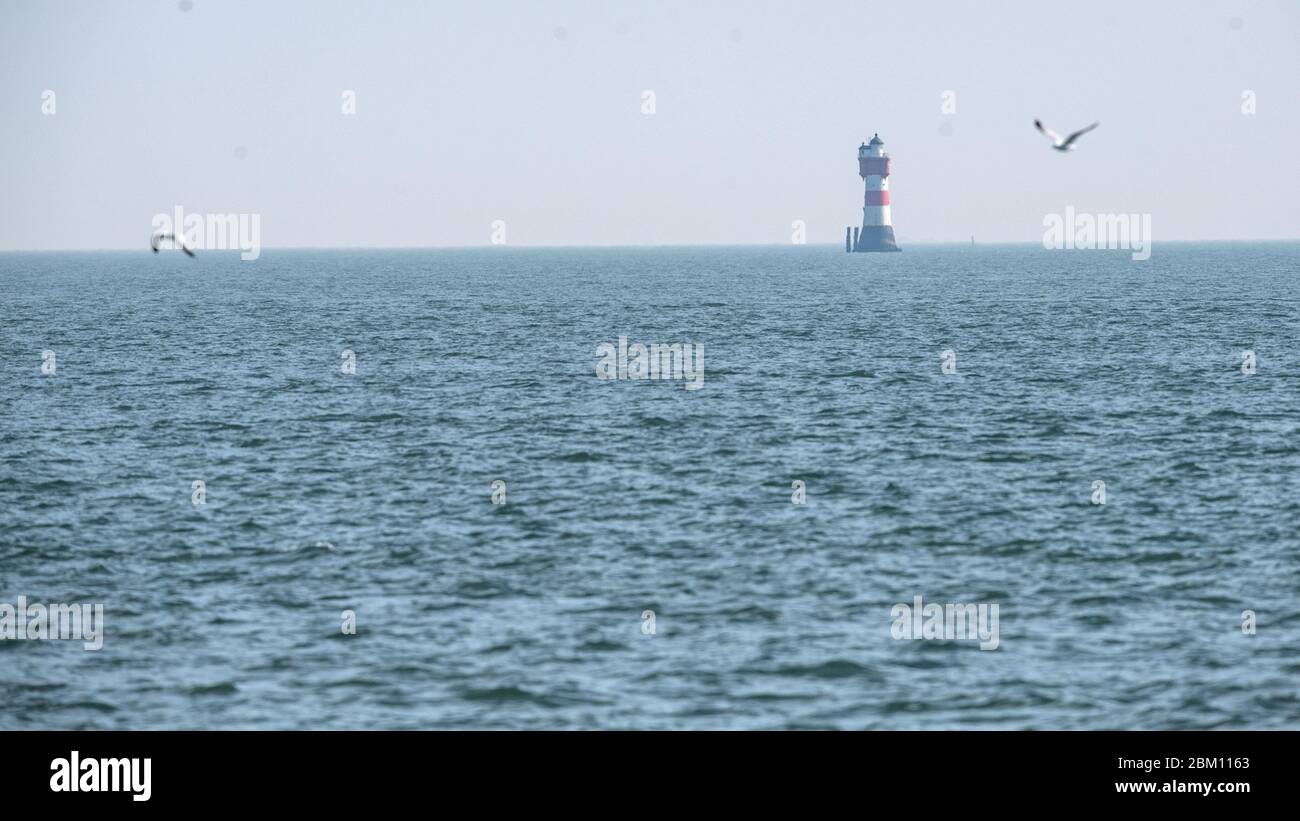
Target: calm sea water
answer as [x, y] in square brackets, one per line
[371, 492]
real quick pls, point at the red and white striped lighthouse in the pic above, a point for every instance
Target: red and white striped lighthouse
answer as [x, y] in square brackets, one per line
[877, 232]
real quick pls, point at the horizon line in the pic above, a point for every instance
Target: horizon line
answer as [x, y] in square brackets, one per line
[508, 246]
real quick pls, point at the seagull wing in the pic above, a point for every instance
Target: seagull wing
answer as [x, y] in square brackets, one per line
[1076, 135]
[1051, 135]
[177, 242]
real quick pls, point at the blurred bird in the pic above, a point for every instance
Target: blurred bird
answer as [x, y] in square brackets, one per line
[177, 242]
[1066, 144]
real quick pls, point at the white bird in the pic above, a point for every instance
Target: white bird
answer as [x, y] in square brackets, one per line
[176, 241]
[1066, 144]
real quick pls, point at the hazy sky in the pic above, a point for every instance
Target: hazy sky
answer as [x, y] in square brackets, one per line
[531, 112]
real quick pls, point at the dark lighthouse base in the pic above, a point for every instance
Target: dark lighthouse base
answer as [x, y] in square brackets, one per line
[875, 238]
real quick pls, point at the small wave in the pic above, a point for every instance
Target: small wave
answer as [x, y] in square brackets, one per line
[833, 669]
[504, 695]
[224, 688]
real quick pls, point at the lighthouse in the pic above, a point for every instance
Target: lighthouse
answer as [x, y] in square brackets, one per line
[877, 233]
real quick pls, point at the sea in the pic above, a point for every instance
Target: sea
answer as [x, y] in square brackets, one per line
[409, 489]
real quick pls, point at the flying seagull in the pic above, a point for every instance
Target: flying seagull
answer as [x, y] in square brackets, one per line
[177, 242]
[1068, 143]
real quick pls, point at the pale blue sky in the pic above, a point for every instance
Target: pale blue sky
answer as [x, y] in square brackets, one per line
[530, 112]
